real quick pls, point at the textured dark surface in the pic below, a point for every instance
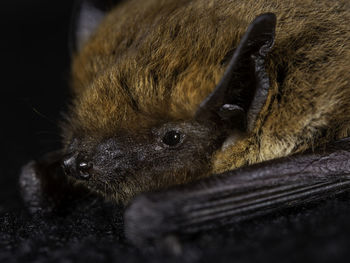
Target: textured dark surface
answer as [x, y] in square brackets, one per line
[93, 233]
[34, 55]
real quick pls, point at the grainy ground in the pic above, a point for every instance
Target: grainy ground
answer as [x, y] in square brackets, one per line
[35, 57]
[92, 231]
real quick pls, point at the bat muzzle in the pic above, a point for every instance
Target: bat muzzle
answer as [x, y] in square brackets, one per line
[77, 166]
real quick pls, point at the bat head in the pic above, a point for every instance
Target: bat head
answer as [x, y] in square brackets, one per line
[134, 129]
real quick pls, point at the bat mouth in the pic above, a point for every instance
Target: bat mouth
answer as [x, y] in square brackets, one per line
[108, 184]
[96, 183]
[111, 190]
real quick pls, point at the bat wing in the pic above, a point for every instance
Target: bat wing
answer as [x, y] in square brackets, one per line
[241, 194]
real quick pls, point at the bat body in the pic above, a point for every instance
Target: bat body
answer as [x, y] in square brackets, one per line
[169, 92]
[146, 68]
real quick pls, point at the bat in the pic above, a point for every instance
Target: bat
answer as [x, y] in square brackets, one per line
[243, 106]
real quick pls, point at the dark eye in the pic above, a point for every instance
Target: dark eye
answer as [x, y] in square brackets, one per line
[172, 138]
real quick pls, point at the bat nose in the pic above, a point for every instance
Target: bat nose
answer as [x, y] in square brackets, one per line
[77, 166]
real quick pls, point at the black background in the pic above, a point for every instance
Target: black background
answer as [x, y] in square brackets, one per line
[34, 92]
[34, 89]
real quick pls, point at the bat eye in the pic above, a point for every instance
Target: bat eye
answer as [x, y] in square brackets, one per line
[172, 138]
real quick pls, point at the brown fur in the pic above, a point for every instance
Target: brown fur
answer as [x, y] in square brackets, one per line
[168, 54]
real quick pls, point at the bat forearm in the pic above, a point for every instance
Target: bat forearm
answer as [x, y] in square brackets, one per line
[241, 194]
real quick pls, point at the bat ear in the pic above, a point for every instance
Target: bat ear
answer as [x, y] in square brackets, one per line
[87, 15]
[241, 93]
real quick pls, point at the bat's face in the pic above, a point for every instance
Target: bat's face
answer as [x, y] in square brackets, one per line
[136, 161]
[126, 134]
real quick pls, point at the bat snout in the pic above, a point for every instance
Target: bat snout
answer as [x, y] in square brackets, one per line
[77, 166]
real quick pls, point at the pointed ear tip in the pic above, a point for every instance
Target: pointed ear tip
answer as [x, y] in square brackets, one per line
[266, 17]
